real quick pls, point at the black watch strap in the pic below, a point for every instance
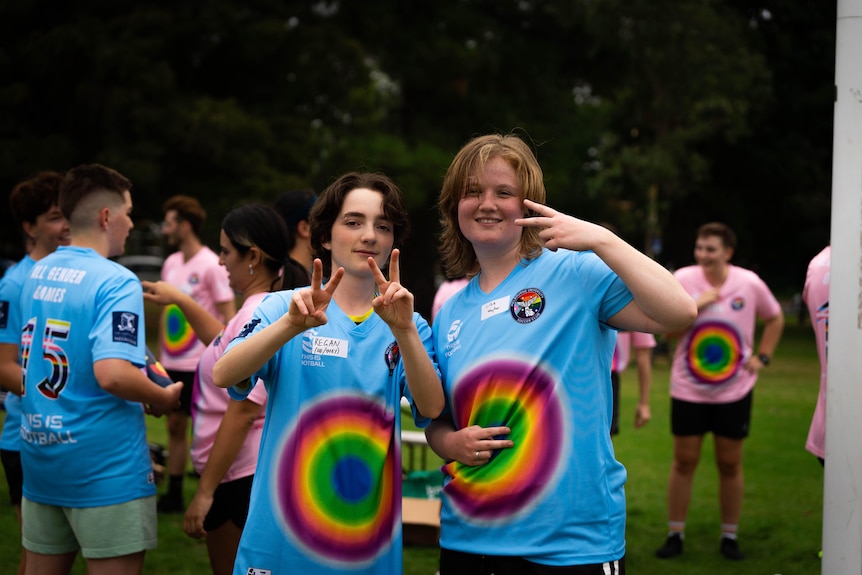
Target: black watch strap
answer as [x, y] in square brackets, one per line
[764, 359]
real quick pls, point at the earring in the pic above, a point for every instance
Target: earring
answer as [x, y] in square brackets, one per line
[250, 270]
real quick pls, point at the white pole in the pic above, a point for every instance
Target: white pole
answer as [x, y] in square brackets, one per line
[842, 494]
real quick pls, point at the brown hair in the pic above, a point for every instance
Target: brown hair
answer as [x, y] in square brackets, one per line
[85, 180]
[188, 209]
[457, 254]
[35, 196]
[720, 230]
[327, 207]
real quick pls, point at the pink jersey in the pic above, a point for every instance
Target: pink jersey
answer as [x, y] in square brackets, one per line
[206, 281]
[816, 296]
[209, 402]
[626, 340]
[710, 355]
[446, 290]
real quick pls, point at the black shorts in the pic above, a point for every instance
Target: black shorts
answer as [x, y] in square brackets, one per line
[459, 563]
[14, 474]
[230, 503]
[615, 414]
[188, 379]
[729, 420]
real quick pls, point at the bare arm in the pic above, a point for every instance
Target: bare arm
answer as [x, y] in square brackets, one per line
[10, 369]
[394, 305]
[772, 330]
[307, 310]
[231, 434]
[205, 326]
[643, 358]
[119, 377]
[660, 303]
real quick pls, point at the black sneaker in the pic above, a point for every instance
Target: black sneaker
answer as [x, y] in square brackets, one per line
[730, 549]
[170, 504]
[671, 548]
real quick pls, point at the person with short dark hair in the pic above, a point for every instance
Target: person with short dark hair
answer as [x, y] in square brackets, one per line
[714, 369]
[88, 477]
[336, 359]
[34, 205]
[194, 269]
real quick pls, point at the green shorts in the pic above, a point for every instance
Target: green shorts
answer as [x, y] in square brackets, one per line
[99, 532]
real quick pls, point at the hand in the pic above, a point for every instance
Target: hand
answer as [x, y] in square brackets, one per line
[169, 402]
[559, 230]
[707, 298]
[642, 415]
[475, 445]
[394, 305]
[193, 522]
[161, 292]
[308, 306]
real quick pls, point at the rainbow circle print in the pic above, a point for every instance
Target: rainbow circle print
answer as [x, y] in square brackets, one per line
[179, 336]
[714, 353]
[526, 398]
[336, 485]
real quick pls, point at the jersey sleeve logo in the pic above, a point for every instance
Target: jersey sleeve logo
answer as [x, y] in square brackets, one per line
[125, 327]
[527, 305]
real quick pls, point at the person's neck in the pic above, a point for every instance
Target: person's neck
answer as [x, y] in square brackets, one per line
[38, 252]
[354, 294]
[717, 276]
[301, 253]
[95, 242]
[493, 269]
[190, 247]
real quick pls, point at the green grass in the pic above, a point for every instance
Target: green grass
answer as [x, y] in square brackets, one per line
[781, 519]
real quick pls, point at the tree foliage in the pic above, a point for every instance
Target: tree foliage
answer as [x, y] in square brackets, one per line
[652, 115]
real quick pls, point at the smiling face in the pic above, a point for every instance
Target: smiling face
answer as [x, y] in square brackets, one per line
[711, 254]
[488, 209]
[50, 230]
[360, 230]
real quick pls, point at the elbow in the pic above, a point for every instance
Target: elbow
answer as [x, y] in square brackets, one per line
[434, 411]
[686, 316]
[220, 378]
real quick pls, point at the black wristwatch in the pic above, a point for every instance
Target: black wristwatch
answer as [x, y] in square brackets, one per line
[764, 359]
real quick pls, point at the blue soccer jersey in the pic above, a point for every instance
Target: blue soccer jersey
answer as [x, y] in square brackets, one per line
[535, 355]
[80, 445]
[327, 492]
[10, 333]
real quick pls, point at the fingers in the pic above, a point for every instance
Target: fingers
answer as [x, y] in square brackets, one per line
[316, 274]
[334, 281]
[376, 272]
[395, 266]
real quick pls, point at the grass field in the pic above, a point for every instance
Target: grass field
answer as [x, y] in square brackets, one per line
[781, 522]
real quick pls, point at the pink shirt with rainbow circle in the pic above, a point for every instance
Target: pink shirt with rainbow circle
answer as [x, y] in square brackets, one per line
[709, 357]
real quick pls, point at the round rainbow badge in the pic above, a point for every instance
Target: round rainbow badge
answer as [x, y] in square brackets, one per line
[714, 352]
[179, 336]
[336, 485]
[523, 397]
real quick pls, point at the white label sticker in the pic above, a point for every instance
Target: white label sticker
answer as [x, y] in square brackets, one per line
[495, 307]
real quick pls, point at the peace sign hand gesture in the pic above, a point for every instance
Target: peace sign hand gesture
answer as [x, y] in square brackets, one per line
[394, 305]
[559, 230]
[308, 306]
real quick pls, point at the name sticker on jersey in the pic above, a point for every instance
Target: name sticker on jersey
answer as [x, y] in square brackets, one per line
[4, 314]
[527, 305]
[329, 346]
[125, 327]
[256, 571]
[495, 307]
